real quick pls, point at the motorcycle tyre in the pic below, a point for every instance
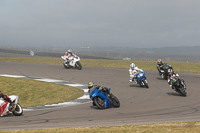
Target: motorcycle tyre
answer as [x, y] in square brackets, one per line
[116, 102]
[165, 77]
[65, 66]
[98, 104]
[145, 84]
[93, 103]
[140, 84]
[78, 65]
[16, 113]
[182, 91]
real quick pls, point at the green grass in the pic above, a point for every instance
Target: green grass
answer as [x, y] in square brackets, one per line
[146, 65]
[37, 93]
[183, 127]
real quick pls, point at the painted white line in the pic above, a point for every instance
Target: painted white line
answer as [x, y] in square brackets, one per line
[49, 80]
[13, 76]
[74, 85]
[83, 99]
[85, 90]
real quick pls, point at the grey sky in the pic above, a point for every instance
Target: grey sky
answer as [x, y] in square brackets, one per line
[137, 23]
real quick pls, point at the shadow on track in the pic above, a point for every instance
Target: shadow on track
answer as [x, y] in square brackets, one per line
[161, 78]
[175, 94]
[137, 86]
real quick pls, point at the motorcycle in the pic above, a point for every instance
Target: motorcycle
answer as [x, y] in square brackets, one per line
[179, 86]
[75, 63]
[165, 71]
[141, 79]
[102, 99]
[8, 108]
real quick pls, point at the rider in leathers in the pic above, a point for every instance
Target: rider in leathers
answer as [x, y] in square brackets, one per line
[69, 56]
[160, 65]
[133, 71]
[105, 89]
[172, 79]
[5, 97]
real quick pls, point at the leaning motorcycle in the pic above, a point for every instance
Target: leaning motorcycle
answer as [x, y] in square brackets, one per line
[179, 86]
[102, 99]
[7, 108]
[141, 79]
[75, 63]
[165, 71]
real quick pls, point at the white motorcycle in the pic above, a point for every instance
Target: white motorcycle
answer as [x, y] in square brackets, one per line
[7, 108]
[74, 63]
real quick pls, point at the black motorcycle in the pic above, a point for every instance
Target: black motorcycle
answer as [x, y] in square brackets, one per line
[179, 86]
[165, 71]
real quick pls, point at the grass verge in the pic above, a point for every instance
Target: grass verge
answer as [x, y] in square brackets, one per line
[146, 65]
[183, 127]
[37, 93]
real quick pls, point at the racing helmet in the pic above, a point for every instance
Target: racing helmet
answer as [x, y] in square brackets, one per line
[69, 51]
[132, 66]
[159, 61]
[90, 85]
[176, 74]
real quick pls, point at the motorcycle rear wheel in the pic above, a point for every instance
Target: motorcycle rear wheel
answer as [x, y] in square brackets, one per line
[66, 66]
[93, 103]
[18, 110]
[99, 102]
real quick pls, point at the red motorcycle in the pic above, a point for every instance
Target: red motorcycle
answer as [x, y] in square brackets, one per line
[10, 108]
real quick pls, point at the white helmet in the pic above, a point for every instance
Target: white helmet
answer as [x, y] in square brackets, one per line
[132, 66]
[176, 74]
[69, 51]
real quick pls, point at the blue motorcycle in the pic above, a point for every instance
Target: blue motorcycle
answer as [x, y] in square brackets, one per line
[102, 99]
[141, 79]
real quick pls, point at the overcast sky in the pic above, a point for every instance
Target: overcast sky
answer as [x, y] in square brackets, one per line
[137, 23]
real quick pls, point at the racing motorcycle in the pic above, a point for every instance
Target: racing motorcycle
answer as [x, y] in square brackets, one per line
[102, 99]
[179, 86]
[75, 63]
[10, 108]
[165, 71]
[141, 79]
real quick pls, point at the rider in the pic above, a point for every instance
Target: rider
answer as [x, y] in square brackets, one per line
[133, 71]
[69, 55]
[5, 97]
[169, 70]
[91, 85]
[160, 65]
[105, 89]
[174, 76]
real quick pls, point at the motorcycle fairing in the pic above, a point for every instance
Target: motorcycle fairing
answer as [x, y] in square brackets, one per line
[103, 95]
[140, 77]
[3, 107]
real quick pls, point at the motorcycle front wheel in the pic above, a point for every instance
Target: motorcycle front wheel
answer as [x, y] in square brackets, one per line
[99, 102]
[18, 110]
[182, 90]
[116, 101]
[145, 83]
[78, 65]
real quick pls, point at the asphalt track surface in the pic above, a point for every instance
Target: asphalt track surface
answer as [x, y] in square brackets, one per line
[158, 104]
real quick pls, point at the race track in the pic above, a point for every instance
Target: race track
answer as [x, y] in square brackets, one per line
[157, 104]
